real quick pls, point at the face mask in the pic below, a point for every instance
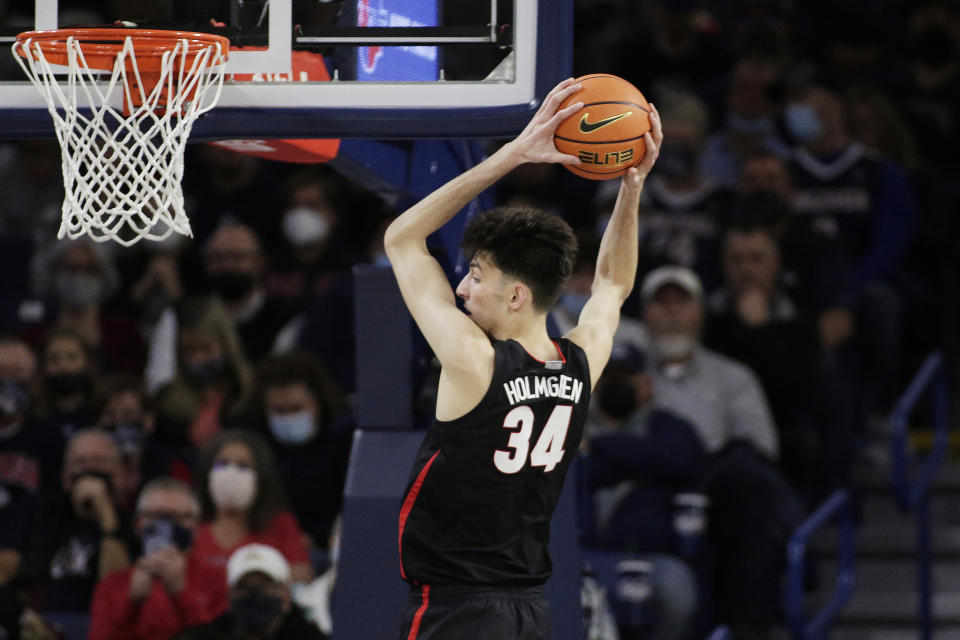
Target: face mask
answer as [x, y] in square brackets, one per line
[205, 371]
[292, 428]
[749, 126]
[14, 398]
[68, 384]
[802, 122]
[304, 225]
[232, 487]
[617, 398]
[676, 161]
[231, 285]
[672, 347]
[128, 437]
[165, 533]
[78, 289]
[256, 610]
[573, 303]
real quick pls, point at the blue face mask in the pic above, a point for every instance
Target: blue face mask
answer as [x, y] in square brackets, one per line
[802, 122]
[292, 428]
[573, 303]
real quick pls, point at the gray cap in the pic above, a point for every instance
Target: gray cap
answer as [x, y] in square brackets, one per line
[671, 274]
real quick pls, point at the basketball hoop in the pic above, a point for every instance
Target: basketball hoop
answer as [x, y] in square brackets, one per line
[122, 168]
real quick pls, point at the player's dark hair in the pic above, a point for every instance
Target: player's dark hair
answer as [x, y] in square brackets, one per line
[536, 247]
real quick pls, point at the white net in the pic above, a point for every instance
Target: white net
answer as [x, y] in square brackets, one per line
[122, 168]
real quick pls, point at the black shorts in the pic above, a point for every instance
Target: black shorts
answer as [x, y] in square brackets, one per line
[475, 613]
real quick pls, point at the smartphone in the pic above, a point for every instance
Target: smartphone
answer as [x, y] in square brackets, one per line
[157, 534]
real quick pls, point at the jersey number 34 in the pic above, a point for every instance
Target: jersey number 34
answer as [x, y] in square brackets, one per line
[548, 450]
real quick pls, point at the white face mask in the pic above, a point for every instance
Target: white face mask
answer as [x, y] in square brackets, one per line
[675, 346]
[232, 487]
[304, 225]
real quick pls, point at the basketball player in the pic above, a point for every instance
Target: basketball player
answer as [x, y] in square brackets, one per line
[511, 404]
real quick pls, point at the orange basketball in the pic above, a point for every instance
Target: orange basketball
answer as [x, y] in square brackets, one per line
[607, 134]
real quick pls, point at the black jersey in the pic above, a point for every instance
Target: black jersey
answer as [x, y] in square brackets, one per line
[483, 488]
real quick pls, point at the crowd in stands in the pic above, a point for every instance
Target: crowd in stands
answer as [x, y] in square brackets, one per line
[176, 417]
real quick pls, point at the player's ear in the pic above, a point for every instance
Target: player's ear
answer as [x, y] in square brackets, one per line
[520, 294]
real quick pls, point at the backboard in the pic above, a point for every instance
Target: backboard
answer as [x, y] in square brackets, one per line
[399, 69]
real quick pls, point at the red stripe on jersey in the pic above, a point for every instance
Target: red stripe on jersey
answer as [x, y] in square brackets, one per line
[408, 506]
[425, 594]
[563, 358]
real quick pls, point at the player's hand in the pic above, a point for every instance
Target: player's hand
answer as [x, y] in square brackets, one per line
[535, 142]
[653, 139]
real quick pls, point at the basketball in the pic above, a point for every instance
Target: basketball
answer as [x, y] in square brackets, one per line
[607, 135]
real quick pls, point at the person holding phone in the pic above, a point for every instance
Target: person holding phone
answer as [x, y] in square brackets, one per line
[167, 589]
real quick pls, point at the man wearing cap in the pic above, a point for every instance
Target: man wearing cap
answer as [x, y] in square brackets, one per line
[720, 396]
[753, 509]
[261, 606]
[166, 589]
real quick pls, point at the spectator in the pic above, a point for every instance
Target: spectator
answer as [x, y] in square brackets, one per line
[65, 394]
[32, 183]
[315, 253]
[751, 121]
[867, 204]
[875, 122]
[235, 265]
[21, 448]
[312, 272]
[682, 211]
[640, 461]
[863, 199]
[753, 321]
[124, 411]
[168, 588]
[753, 509]
[261, 606]
[735, 409]
[679, 45]
[88, 536]
[301, 411]
[213, 377]
[224, 186]
[930, 91]
[80, 277]
[243, 501]
[815, 271]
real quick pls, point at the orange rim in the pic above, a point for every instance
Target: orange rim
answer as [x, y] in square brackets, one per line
[101, 46]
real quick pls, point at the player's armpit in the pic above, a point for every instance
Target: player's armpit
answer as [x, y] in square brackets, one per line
[455, 339]
[597, 325]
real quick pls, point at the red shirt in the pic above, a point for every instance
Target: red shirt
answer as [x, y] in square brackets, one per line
[283, 534]
[113, 616]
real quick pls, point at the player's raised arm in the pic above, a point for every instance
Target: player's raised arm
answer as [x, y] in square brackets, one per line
[454, 338]
[616, 262]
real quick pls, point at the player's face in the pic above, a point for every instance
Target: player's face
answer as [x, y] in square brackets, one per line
[483, 293]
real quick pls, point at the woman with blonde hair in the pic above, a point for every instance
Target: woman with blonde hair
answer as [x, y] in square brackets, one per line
[213, 378]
